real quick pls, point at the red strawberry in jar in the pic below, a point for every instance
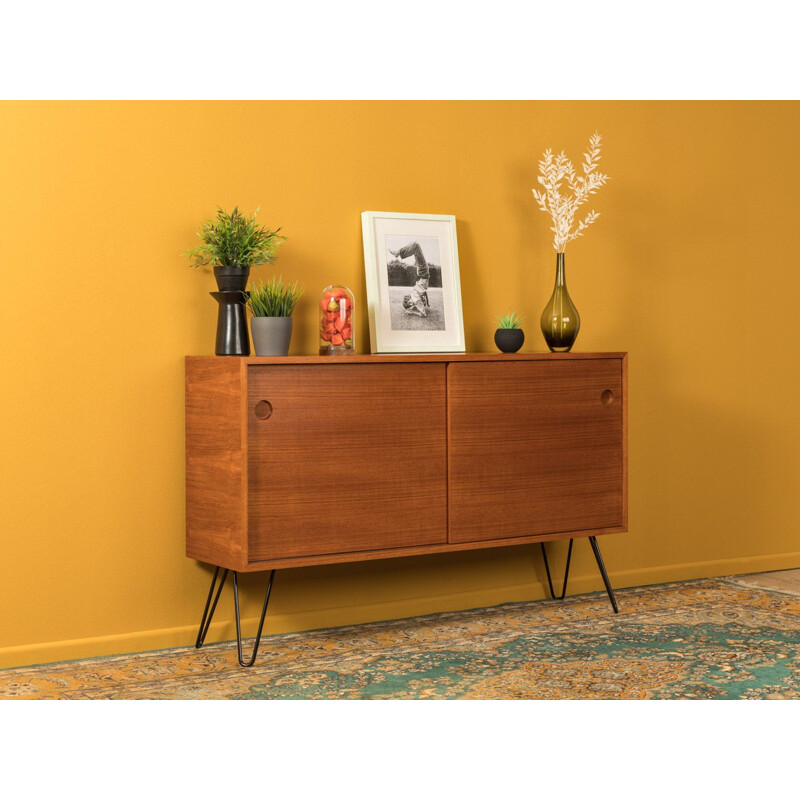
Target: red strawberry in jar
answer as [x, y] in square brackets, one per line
[337, 321]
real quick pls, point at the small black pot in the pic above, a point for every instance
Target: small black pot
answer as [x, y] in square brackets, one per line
[509, 340]
[231, 279]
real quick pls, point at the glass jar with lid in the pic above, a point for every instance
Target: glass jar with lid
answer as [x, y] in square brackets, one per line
[337, 322]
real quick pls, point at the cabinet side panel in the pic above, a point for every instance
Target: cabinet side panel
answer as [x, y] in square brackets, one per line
[624, 373]
[214, 464]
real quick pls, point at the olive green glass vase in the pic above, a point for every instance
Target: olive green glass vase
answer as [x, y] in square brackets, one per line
[560, 319]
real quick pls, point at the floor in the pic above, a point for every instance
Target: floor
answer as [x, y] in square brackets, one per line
[787, 580]
[708, 639]
[736, 637]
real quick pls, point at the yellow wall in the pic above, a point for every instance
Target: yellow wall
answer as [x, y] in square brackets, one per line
[692, 268]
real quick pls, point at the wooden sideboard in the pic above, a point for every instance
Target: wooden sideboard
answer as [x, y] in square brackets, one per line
[295, 461]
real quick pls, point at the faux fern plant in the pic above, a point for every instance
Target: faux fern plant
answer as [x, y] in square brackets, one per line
[234, 240]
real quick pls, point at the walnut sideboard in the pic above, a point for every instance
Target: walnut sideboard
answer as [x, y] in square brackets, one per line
[296, 461]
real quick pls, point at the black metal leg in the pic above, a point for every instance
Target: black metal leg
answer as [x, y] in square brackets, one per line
[238, 620]
[600, 564]
[547, 569]
[599, 559]
[205, 623]
[566, 571]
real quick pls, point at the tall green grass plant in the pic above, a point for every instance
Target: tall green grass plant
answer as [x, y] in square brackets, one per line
[273, 298]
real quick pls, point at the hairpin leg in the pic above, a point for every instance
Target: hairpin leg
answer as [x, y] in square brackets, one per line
[566, 571]
[205, 623]
[599, 559]
[600, 564]
[238, 619]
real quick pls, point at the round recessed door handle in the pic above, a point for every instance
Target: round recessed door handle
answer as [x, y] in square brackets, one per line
[263, 409]
[607, 397]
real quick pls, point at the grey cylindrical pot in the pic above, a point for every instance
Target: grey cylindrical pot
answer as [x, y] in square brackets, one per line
[271, 335]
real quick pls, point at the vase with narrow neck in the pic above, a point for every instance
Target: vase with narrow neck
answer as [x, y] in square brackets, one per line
[232, 337]
[560, 319]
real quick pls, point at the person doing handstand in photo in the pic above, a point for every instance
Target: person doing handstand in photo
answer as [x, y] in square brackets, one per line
[417, 301]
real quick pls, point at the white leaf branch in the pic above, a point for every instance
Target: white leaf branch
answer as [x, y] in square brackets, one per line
[553, 171]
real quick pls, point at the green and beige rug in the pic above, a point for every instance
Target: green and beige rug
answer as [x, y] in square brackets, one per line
[707, 639]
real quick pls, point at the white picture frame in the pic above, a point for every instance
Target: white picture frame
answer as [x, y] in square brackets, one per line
[413, 283]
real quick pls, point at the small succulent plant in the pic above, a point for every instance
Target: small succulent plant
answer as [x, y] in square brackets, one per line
[510, 321]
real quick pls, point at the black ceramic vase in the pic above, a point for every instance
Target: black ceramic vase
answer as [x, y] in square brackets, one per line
[232, 337]
[560, 319]
[231, 279]
[509, 340]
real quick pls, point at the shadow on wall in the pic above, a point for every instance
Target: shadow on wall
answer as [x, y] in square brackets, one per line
[699, 473]
[422, 584]
[478, 321]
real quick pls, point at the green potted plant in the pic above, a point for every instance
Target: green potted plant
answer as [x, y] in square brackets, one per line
[271, 305]
[509, 336]
[231, 244]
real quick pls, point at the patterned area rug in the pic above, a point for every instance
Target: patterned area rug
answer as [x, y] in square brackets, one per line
[707, 639]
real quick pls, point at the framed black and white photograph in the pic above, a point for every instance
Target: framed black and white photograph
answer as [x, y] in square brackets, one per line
[413, 286]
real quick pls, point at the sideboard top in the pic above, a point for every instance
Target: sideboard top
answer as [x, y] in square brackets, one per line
[405, 358]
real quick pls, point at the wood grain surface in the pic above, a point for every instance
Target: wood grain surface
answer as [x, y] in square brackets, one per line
[410, 358]
[421, 550]
[352, 458]
[314, 460]
[535, 447]
[215, 470]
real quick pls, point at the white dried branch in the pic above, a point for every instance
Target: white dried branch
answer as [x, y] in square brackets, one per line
[553, 171]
